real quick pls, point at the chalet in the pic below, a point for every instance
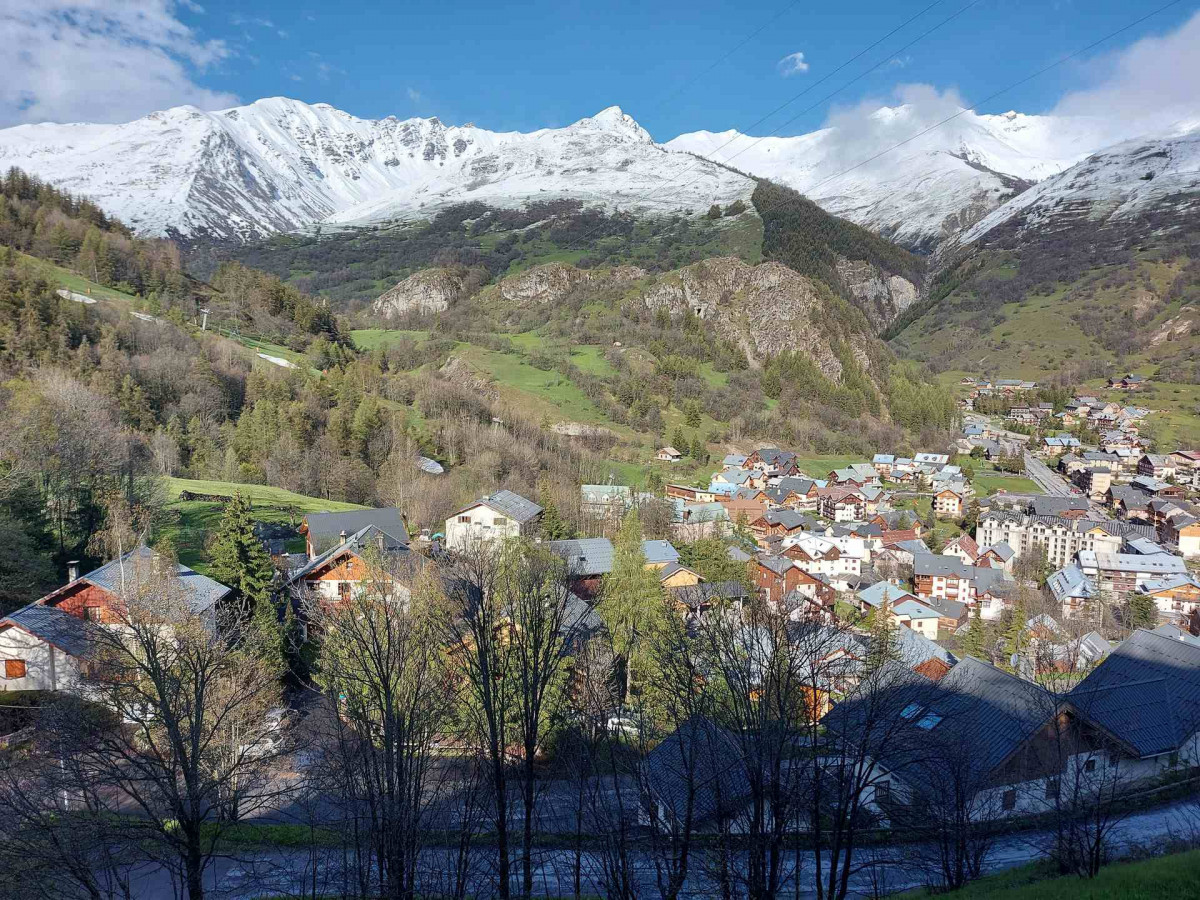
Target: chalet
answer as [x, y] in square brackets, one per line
[963, 547]
[501, 515]
[324, 530]
[368, 558]
[1156, 465]
[708, 793]
[931, 459]
[1128, 502]
[1143, 695]
[842, 504]
[997, 556]
[668, 454]
[1183, 531]
[795, 493]
[812, 597]
[781, 523]
[1130, 382]
[734, 461]
[588, 561]
[47, 644]
[694, 602]
[833, 559]
[1157, 489]
[948, 503]
[605, 500]
[689, 494]
[777, 576]
[944, 577]
[892, 519]
[917, 616]
[779, 463]
[659, 553]
[1073, 591]
[1176, 596]
[1186, 459]
[857, 475]
[676, 575]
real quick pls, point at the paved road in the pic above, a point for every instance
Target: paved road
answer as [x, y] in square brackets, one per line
[895, 867]
[1055, 485]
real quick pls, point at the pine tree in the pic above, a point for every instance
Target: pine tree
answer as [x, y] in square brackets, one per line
[554, 526]
[974, 642]
[679, 440]
[1015, 633]
[1141, 611]
[240, 560]
[883, 635]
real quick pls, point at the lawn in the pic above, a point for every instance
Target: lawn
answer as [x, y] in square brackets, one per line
[374, 338]
[549, 386]
[191, 521]
[988, 482]
[1172, 877]
[77, 283]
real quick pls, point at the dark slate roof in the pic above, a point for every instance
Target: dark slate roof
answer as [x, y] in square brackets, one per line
[1146, 693]
[696, 595]
[586, 556]
[201, 591]
[790, 519]
[325, 528]
[1111, 526]
[777, 564]
[1056, 506]
[711, 755]
[357, 543]
[68, 633]
[580, 619]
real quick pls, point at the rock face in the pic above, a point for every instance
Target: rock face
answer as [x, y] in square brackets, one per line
[430, 290]
[766, 309]
[879, 295]
[545, 283]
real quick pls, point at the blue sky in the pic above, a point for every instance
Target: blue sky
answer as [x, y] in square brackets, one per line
[540, 64]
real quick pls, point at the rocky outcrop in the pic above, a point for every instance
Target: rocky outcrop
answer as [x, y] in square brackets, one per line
[541, 284]
[880, 296]
[766, 309]
[429, 290]
[460, 372]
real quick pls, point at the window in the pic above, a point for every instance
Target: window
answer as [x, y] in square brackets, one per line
[883, 792]
[911, 710]
[343, 590]
[1052, 789]
[1009, 799]
[1089, 766]
[464, 518]
[93, 613]
[928, 721]
[14, 668]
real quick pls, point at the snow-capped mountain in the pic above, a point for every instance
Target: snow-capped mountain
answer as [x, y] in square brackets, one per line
[927, 189]
[1153, 180]
[280, 164]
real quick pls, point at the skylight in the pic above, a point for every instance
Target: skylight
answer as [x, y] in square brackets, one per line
[928, 721]
[911, 710]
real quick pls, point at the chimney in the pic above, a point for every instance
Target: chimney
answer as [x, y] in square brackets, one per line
[72, 570]
[342, 537]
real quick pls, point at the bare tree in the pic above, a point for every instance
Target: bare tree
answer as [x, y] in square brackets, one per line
[388, 694]
[191, 699]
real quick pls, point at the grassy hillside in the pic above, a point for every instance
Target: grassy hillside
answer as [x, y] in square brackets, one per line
[355, 266]
[190, 522]
[1170, 877]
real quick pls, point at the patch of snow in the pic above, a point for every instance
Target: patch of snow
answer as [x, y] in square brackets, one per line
[78, 298]
[278, 360]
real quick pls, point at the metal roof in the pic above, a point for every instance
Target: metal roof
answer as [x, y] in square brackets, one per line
[659, 551]
[510, 504]
[127, 572]
[586, 556]
[325, 528]
[68, 633]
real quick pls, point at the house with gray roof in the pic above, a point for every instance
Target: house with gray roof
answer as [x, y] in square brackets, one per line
[44, 648]
[503, 514]
[1146, 695]
[369, 558]
[325, 529]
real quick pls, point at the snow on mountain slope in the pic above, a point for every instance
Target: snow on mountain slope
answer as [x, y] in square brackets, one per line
[280, 164]
[925, 190]
[1156, 176]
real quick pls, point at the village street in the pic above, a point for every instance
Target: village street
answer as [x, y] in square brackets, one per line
[880, 869]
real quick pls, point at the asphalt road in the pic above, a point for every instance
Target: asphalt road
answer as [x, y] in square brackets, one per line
[891, 868]
[1055, 485]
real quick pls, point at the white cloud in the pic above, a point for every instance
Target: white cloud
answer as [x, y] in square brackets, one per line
[192, 7]
[899, 62]
[792, 64]
[1148, 86]
[100, 61]
[413, 94]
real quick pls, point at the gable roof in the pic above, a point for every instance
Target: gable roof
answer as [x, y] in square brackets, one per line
[325, 528]
[702, 759]
[585, 556]
[356, 544]
[200, 591]
[508, 503]
[1146, 693]
[659, 551]
[68, 633]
